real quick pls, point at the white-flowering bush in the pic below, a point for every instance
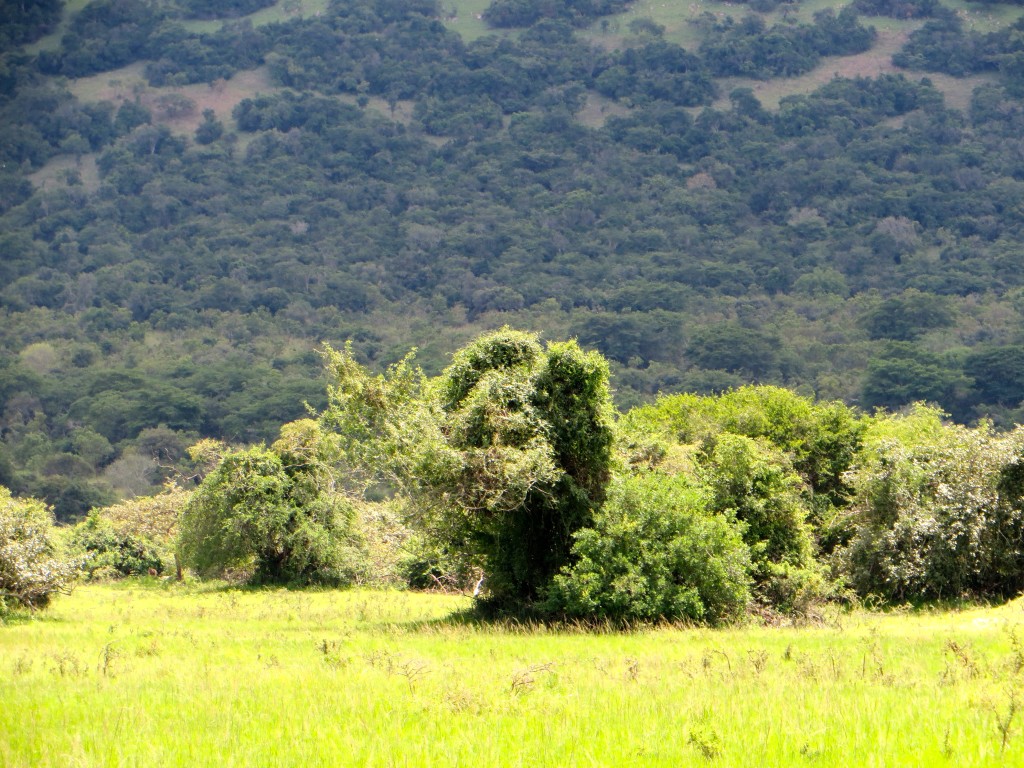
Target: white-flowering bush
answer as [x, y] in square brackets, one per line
[31, 571]
[940, 510]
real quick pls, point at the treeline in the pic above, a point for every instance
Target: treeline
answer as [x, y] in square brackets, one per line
[513, 470]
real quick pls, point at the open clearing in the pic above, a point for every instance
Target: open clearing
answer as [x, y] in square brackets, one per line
[126, 675]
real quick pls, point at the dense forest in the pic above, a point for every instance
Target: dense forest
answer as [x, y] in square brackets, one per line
[170, 265]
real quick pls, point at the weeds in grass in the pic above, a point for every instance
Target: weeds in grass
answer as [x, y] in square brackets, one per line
[412, 671]
[1017, 659]
[330, 652]
[963, 658]
[632, 669]
[108, 656]
[872, 661]
[706, 740]
[67, 664]
[1004, 721]
[524, 680]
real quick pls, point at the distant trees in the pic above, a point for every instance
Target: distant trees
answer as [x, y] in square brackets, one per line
[183, 277]
[25, 21]
[523, 13]
[748, 48]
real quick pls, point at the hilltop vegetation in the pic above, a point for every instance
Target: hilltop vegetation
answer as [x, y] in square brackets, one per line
[169, 270]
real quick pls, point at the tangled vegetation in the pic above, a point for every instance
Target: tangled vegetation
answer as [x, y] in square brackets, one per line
[32, 569]
[512, 474]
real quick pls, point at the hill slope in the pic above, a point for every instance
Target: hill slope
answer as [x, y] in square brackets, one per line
[708, 194]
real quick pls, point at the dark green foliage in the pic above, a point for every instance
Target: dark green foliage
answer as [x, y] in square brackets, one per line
[204, 9]
[545, 413]
[654, 552]
[109, 552]
[657, 70]
[747, 48]
[646, 236]
[25, 21]
[942, 45]
[104, 35]
[998, 373]
[108, 34]
[733, 348]
[904, 373]
[210, 130]
[270, 513]
[523, 13]
[897, 9]
[907, 316]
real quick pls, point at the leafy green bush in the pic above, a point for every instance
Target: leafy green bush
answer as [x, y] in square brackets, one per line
[655, 551]
[754, 482]
[108, 551]
[273, 512]
[31, 568]
[939, 510]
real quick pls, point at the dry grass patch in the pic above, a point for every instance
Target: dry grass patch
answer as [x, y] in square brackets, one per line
[128, 84]
[65, 170]
[598, 109]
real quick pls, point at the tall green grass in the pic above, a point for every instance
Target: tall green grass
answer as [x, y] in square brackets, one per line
[150, 675]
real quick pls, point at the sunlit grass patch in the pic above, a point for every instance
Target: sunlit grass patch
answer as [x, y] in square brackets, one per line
[160, 674]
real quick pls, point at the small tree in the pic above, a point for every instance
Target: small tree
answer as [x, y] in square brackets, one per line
[273, 511]
[31, 571]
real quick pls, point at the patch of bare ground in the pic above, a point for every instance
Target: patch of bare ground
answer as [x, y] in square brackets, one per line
[65, 171]
[129, 84]
[598, 109]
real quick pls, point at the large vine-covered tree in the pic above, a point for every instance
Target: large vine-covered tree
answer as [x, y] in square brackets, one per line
[506, 454]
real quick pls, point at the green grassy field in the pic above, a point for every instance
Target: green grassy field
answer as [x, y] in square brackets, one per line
[152, 675]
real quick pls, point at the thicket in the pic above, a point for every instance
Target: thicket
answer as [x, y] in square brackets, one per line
[32, 567]
[748, 48]
[25, 21]
[512, 471]
[696, 507]
[523, 13]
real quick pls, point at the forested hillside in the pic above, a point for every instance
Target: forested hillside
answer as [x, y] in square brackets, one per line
[194, 195]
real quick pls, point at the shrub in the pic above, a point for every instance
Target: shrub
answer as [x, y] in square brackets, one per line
[939, 510]
[754, 482]
[113, 552]
[655, 551]
[31, 569]
[154, 518]
[273, 513]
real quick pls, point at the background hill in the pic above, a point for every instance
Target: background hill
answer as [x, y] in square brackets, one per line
[194, 195]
